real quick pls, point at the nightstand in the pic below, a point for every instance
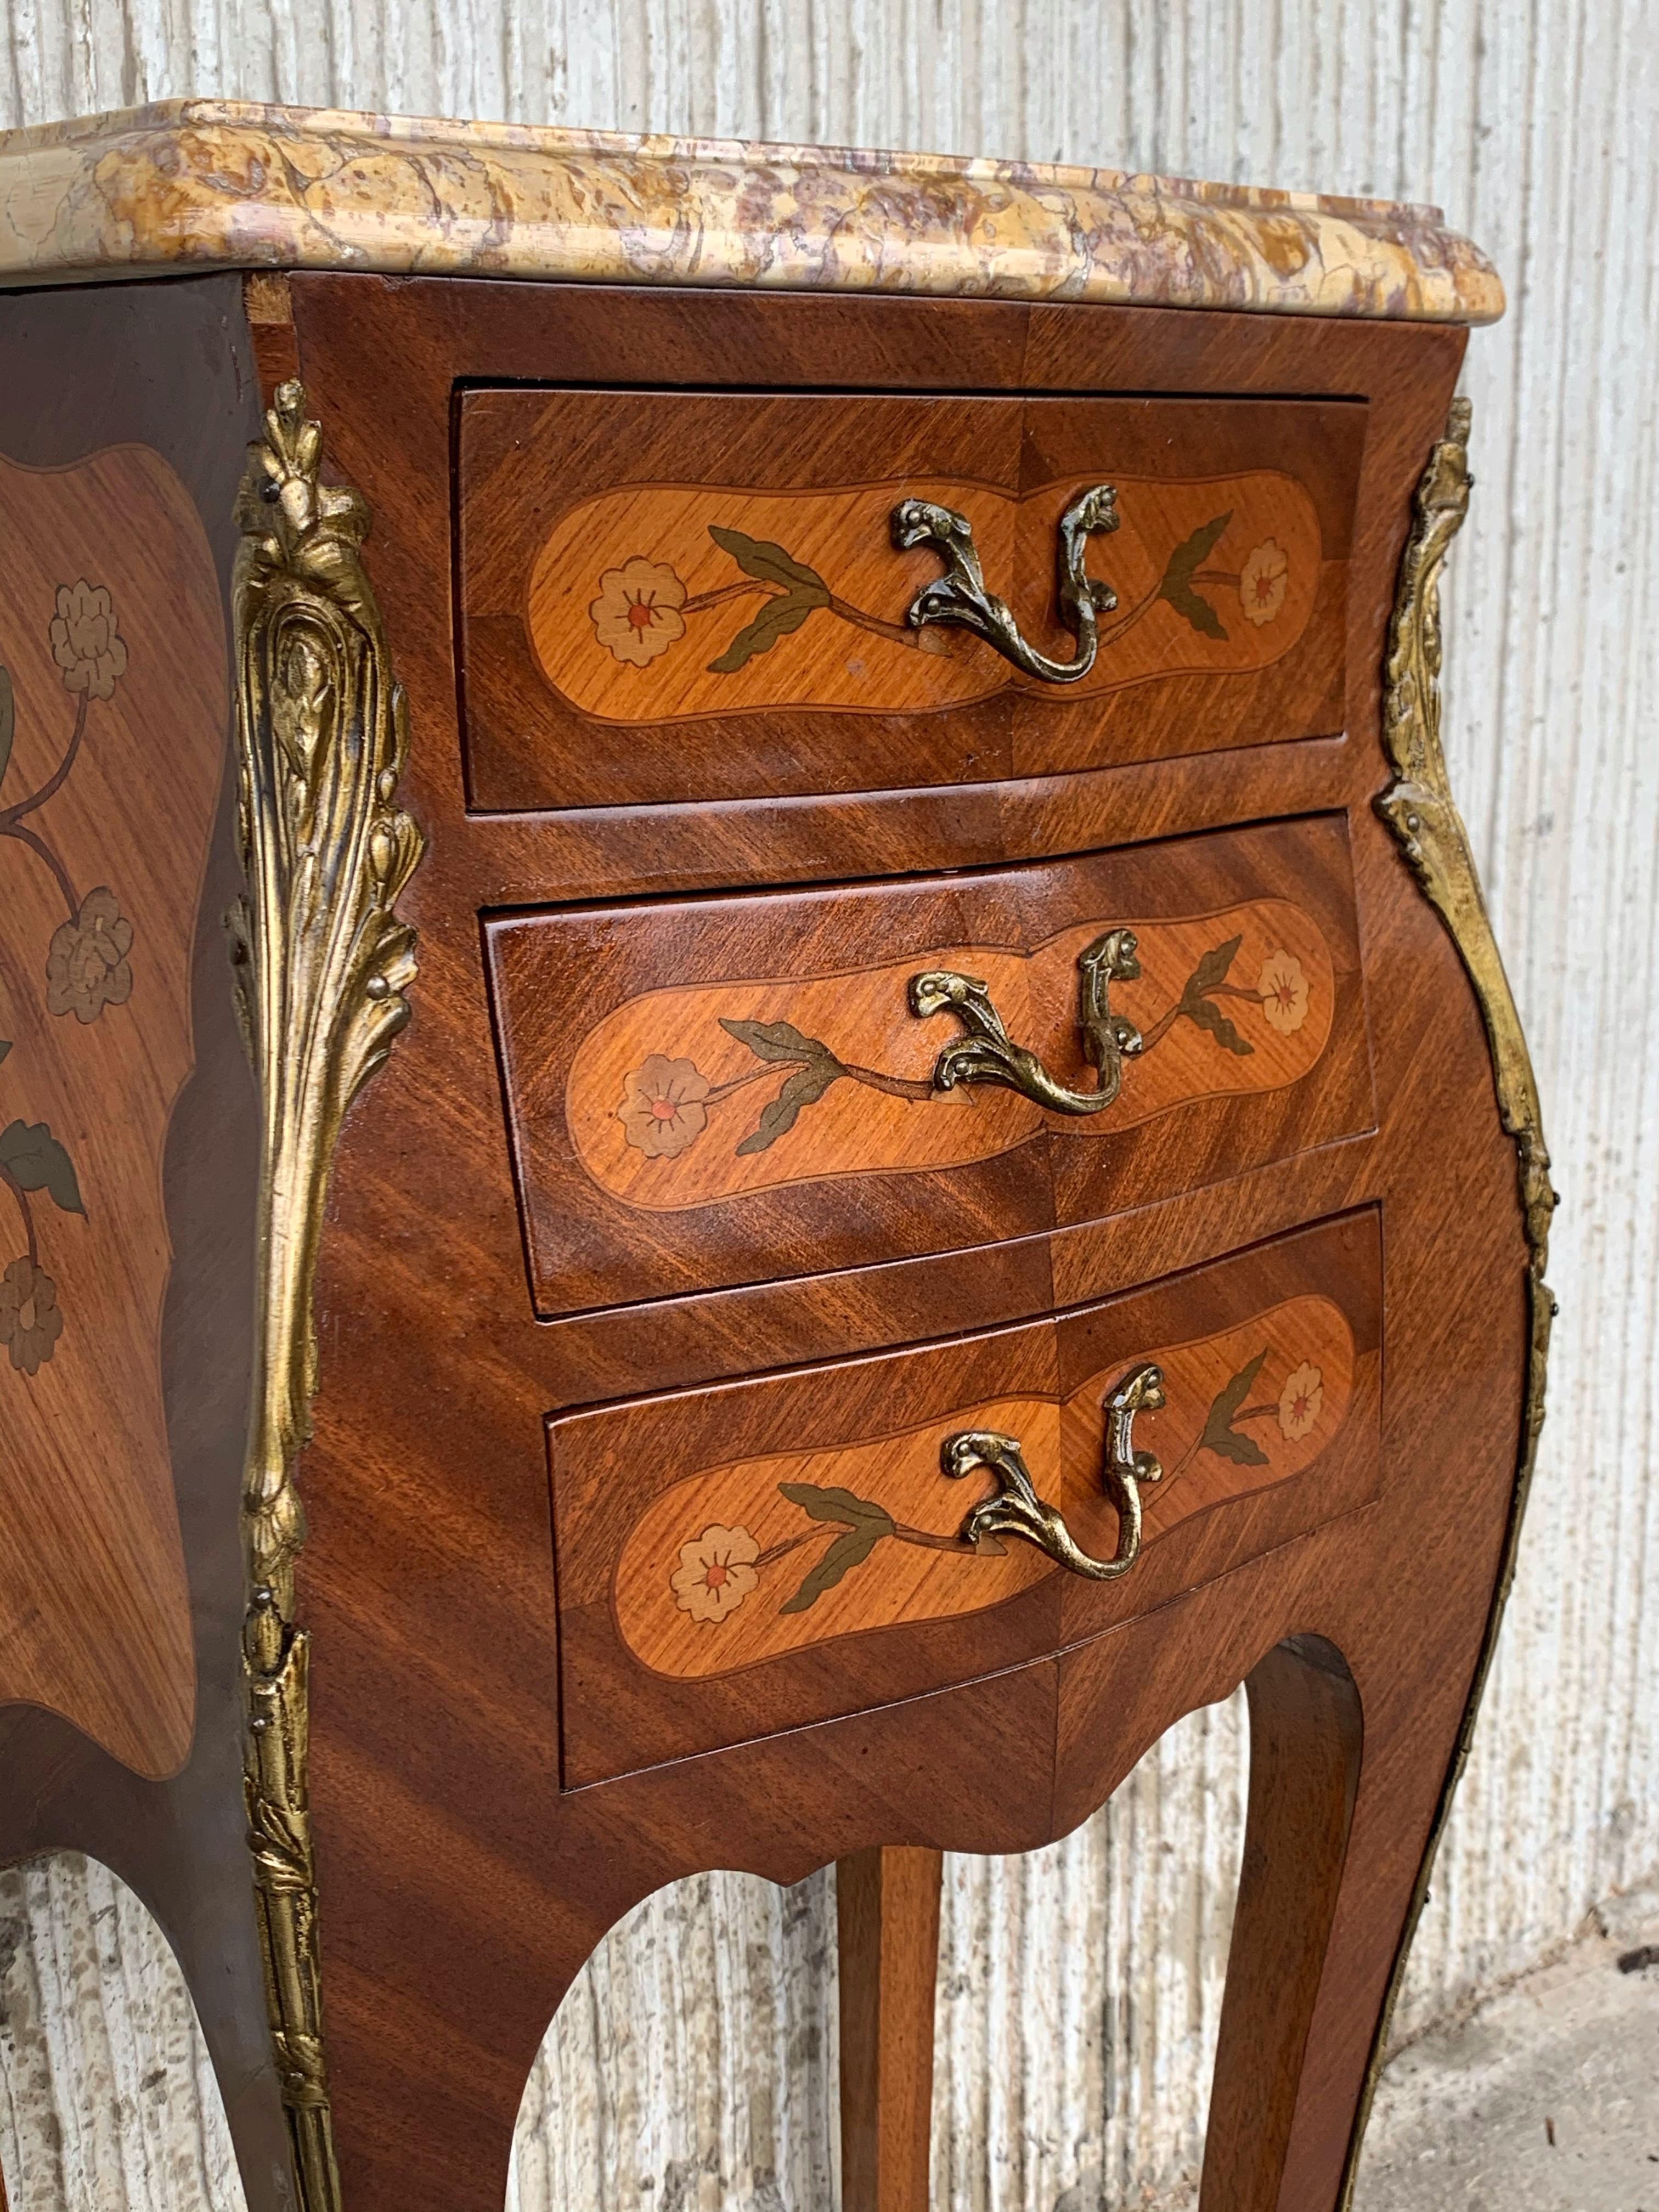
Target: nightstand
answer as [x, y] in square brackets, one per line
[732, 914]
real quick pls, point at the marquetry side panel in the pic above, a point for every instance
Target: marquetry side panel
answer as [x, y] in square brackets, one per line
[112, 713]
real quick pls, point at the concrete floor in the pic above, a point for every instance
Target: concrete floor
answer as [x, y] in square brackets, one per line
[1545, 2100]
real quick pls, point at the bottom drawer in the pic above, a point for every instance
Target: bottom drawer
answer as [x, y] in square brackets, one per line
[735, 1561]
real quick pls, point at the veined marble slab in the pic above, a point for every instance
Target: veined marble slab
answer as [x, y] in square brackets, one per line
[199, 183]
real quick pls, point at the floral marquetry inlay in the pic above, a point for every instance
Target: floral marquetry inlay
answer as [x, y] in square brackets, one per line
[736, 1564]
[666, 602]
[111, 755]
[87, 966]
[684, 1096]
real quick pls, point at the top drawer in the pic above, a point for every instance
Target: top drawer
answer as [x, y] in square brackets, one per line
[668, 597]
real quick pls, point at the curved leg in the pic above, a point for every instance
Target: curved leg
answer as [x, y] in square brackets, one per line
[887, 1925]
[1305, 1738]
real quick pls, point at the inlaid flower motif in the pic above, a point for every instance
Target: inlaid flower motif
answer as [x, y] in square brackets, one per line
[715, 1573]
[637, 613]
[85, 642]
[1282, 988]
[1300, 1401]
[87, 966]
[662, 1109]
[1263, 582]
[30, 1320]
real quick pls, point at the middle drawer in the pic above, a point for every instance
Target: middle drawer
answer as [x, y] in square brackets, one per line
[733, 1090]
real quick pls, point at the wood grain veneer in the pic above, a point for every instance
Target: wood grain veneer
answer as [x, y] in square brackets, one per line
[649, 1495]
[505, 1755]
[437, 1719]
[127, 411]
[111, 641]
[651, 1157]
[887, 1913]
[608, 574]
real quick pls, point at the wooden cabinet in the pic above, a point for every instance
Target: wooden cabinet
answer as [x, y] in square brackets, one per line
[858, 1134]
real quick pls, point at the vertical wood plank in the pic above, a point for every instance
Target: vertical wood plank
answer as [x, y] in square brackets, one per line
[887, 1904]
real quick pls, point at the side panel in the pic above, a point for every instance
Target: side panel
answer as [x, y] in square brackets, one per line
[123, 1423]
[110, 667]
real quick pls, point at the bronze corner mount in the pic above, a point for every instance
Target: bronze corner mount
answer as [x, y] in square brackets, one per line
[323, 965]
[1418, 807]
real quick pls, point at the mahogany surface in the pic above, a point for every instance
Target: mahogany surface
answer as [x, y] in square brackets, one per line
[649, 1675]
[436, 1708]
[515, 1368]
[594, 1005]
[111, 645]
[887, 1909]
[572, 699]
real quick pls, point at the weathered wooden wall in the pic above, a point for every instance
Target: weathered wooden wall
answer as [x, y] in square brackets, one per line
[693, 2067]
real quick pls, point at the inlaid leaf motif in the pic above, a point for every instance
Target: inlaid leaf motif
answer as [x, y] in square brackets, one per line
[1209, 975]
[804, 1088]
[777, 619]
[801, 592]
[1219, 1435]
[1177, 585]
[1208, 1016]
[847, 1551]
[1212, 967]
[864, 1521]
[35, 1160]
[5, 1047]
[825, 1502]
[773, 1040]
[759, 556]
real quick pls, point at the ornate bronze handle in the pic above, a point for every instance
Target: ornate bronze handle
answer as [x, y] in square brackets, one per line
[959, 595]
[987, 1054]
[1015, 1509]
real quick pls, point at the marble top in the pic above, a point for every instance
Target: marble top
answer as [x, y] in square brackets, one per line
[205, 184]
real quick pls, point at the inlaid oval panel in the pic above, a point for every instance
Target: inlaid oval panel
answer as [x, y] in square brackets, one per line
[738, 1563]
[737, 1090]
[684, 1097]
[760, 1555]
[112, 747]
[672, 602]
[668, 596]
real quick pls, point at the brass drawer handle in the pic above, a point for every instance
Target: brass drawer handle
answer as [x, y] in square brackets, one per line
[959, 595]
[1015, 1509]
[985, 1052]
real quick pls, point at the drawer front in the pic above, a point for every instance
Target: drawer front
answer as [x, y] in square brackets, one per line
[739, 1090]
[670, 596]
[735, 1561]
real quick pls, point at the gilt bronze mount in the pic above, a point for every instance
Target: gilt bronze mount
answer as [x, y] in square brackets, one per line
[1014, 1509]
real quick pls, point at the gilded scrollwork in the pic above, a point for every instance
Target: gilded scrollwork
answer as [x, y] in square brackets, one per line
[323, 964]
[1419, 808]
